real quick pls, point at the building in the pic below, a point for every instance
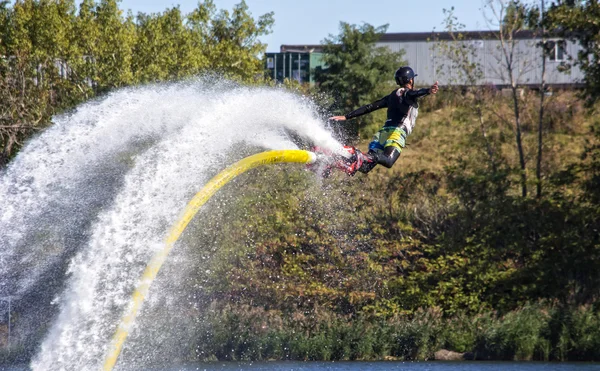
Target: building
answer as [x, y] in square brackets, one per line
[294, 63]
[424, 52]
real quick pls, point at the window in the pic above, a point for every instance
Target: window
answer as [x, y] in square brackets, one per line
[556, 50]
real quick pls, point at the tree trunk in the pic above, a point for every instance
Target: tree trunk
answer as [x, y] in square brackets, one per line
[538, 169]
[519, 141]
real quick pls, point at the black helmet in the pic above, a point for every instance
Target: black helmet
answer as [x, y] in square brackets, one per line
[403, 75]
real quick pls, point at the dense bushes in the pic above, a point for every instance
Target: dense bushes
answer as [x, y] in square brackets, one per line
[460, 241]
[415, 260]
[534, 332]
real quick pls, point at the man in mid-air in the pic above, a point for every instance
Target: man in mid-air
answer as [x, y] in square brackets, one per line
[388, 142]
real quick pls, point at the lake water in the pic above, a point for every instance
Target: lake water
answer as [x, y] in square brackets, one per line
[389, 366]
[367, 366]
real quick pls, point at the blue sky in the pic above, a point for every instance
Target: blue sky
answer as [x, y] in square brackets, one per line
[310, 21]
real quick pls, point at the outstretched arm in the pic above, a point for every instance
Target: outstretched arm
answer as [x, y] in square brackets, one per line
[414, 94]
[362, 110]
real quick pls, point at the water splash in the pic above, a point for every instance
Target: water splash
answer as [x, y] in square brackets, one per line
[88, 202]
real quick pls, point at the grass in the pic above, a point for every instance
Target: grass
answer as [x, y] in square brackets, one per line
[535, 332]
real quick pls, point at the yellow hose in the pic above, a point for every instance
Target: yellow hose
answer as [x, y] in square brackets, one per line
[264, 158]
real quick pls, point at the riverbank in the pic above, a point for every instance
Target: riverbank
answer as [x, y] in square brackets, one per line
[533, 333]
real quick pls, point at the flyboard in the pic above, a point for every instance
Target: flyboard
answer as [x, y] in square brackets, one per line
[321, 162]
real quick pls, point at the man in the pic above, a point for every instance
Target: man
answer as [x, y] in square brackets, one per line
[388, 142]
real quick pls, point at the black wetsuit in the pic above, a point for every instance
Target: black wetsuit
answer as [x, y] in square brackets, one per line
[398, 111]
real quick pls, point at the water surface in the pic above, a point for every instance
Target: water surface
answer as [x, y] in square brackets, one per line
[390, 366]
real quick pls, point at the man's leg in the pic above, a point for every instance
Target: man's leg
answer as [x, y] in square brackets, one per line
[388, 157]
[365, 162]
[370, 160]
[384, 149]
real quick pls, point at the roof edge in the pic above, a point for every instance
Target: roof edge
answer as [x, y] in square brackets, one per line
[420, 36]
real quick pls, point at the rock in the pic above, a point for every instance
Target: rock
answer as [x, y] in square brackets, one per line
[448, 355]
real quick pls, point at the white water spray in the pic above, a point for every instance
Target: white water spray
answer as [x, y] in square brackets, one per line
[92, 198]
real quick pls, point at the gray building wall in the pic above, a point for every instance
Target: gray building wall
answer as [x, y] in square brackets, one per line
[426, 57]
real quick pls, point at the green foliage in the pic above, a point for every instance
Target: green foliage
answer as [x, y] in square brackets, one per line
[54, 56]
[466, 71]
[346, 78]
[232, 41]
[439, 252]
[590, 169]
[578, 21]
[458, 241]
[535, 332]
[515, 16]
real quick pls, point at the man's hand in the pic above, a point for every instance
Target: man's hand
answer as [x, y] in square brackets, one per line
[337, 118]
[434, 88]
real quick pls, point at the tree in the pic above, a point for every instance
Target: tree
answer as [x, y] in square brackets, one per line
[356, 67]
[579, 21]
[511, 19]
[33, 33]
[163, 47]
[172, 46]
[230, 42]
[535, 20]
[466, 71]
[53, 57]
[115, 46]
[538, 170]
[87, 33]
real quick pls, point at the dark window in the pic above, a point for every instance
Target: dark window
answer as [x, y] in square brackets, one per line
[556, 50]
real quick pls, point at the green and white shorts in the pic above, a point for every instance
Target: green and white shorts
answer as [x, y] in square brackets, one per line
[388, 136]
